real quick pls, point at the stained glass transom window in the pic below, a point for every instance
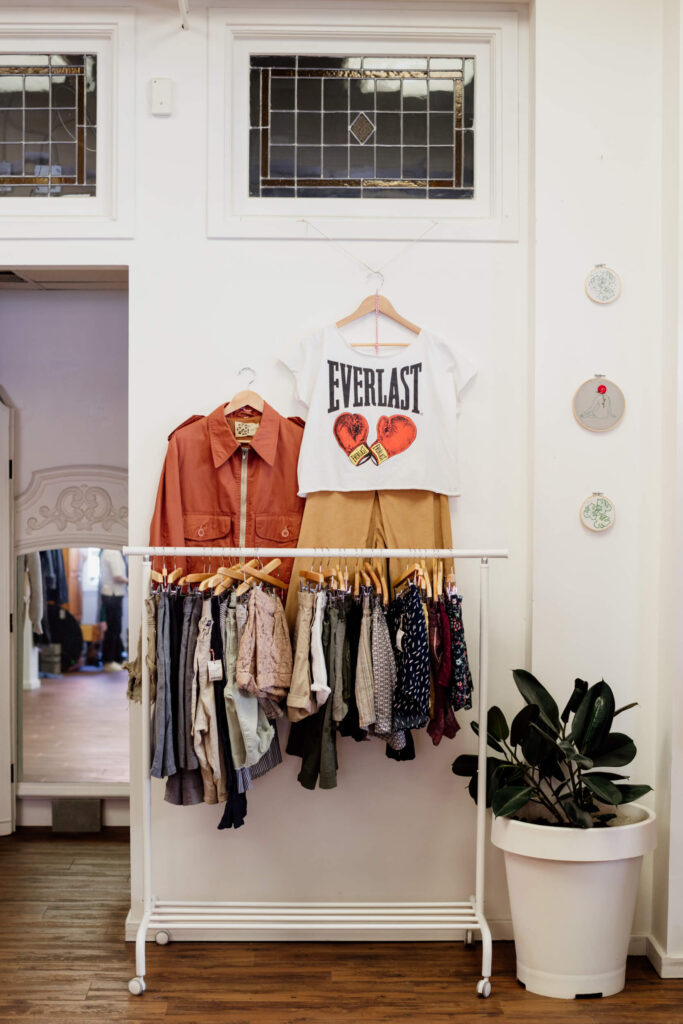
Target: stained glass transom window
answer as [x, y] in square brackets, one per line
[48, 124]
[361, 127]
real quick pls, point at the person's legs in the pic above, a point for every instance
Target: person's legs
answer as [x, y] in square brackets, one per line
[112, 647]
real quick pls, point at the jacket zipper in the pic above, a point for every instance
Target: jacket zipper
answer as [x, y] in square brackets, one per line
[243, 498]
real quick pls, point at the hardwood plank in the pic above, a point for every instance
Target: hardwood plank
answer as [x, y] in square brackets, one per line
[63, 960]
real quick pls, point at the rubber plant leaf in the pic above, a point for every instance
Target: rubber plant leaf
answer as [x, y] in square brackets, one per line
[629, 793]
[616, 751]
[534, 692]
[580, 687]
[521, 723]
[491, 740]
[496, 724]
[593, 720]
[605, 790]
[510, 799]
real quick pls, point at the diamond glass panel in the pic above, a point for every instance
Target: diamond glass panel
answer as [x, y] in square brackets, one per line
[354, 127]
[48, 124]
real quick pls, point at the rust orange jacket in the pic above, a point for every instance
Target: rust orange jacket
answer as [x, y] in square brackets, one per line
[218, 491]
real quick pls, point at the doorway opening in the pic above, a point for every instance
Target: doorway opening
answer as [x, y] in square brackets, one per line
[64, 378]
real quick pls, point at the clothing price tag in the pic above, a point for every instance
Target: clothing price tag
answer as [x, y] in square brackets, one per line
[215, 671]
[399, 639]
[245, 429]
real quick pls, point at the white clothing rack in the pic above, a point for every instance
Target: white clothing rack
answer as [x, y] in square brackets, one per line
[162, 917]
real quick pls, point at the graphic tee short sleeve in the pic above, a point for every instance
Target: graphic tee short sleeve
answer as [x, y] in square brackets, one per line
[379, 420]
[304, 362]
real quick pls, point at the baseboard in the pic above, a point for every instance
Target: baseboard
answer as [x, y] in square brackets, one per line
[36, 812]
[6, 827]
[665, 965]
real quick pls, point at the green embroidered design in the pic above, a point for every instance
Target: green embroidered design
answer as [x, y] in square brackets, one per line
[599, 513]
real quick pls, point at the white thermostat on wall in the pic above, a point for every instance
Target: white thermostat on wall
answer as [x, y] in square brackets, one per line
[162, 96]
[603, 284]
[597, 513]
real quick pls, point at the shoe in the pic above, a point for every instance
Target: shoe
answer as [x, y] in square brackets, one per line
[112, 666]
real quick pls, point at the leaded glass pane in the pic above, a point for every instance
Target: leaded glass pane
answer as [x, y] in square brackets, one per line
[354, 127]
[48, 124]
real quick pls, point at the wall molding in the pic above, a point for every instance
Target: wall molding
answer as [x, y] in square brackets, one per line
[665, 965]
[72, 506]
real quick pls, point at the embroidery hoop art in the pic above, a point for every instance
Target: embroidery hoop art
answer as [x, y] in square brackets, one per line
[609, 513]
[589, 392]
[602, 284]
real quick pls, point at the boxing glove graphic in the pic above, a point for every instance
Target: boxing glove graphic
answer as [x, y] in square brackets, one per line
[351, 432]
[394, 435]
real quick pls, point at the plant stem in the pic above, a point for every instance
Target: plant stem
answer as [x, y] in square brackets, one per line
[527, 771]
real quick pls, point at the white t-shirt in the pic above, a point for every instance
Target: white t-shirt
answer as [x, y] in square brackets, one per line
[379, 422]
[112, 564]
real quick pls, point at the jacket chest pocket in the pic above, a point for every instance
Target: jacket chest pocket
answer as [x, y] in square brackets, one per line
[277, 531]
[207, 530]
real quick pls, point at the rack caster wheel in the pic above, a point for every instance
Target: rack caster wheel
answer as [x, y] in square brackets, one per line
[484, 988]
[136, 986]
[469, 939]
[162, 938]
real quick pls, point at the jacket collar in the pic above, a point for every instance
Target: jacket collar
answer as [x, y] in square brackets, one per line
[223, 441]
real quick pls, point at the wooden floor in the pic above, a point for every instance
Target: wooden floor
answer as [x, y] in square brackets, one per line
[63, 961]
[75, 728]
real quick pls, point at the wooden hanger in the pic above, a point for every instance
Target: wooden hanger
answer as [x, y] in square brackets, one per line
[439, 580]
[379, 581]
[309, 574]
[158, 577]
[425, 576]
[236, 572]
[378, 304]
[245, 398]
[263, 575]
[209, 583]
[175, 575]
[356, 581]
[194, 577]
[410, 571]
[230, 575]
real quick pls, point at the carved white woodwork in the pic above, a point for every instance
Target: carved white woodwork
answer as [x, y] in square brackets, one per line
[73, 507]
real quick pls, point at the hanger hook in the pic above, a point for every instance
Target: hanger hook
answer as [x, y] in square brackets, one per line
[380, 285]
[252, 371]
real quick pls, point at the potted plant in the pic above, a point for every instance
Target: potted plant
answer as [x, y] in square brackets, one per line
[572, 837]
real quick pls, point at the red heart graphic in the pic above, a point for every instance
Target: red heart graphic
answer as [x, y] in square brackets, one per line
[394, 435]
[351, 432]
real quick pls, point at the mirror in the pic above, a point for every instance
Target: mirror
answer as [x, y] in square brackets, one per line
[72, 641]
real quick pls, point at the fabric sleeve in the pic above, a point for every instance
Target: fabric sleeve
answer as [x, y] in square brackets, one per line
[304, 361]
[166, 529]
[459, 363]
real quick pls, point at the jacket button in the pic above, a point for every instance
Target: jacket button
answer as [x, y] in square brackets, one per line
[285, 532]
[200, 531]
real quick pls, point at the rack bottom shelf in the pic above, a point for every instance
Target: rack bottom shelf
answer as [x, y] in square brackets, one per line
[167, 921]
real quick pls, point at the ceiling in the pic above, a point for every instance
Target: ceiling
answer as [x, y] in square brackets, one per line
[64, 278]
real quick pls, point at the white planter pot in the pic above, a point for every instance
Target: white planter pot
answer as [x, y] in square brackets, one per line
[573, 895]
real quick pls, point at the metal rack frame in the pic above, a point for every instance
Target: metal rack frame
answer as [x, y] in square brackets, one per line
[163, 917]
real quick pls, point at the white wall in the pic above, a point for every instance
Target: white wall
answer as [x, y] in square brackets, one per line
[64, 368]
[596, 596]
[199, 310]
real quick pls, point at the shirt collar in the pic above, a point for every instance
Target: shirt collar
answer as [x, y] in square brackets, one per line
[224, 443]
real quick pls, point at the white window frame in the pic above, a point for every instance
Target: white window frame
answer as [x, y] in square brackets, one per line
[382, 28]
[110, 34]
